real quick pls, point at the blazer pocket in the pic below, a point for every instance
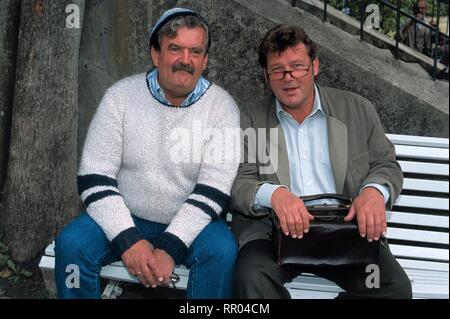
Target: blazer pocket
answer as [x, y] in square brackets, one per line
[359, 168]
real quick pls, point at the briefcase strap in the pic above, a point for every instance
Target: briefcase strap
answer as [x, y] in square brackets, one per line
[341, 198]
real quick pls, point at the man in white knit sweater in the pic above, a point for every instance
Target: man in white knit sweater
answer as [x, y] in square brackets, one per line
[147, 204]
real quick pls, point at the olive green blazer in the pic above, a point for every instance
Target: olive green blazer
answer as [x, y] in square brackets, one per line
[360, 153]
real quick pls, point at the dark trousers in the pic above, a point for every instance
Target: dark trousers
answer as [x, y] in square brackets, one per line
[258, 276]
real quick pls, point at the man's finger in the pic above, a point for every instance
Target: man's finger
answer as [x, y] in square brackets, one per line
[370, 226]
[298, 224]
[147, 273]
[305, 218]
[377, 226]
[291, 224]
[362, 227]
[351, 214]
[283, 225]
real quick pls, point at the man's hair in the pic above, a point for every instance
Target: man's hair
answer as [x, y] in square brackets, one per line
[282, 37]
[171, 27]
[415, 7]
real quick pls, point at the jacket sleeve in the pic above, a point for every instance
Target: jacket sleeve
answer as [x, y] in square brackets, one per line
[248, 179]
[383, 166]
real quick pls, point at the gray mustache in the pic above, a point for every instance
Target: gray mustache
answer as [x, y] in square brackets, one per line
[183, 67]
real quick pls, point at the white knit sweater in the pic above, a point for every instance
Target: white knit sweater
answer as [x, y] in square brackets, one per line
[144, 158]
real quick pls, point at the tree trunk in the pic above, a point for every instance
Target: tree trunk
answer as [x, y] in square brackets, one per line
[9, 16]
[40, 190]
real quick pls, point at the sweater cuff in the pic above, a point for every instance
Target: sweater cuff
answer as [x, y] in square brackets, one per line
[125, 240]
[172, 245]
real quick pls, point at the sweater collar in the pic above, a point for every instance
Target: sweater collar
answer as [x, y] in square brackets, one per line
[158, 93]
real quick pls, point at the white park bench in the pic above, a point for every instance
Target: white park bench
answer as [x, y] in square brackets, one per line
[418, 229]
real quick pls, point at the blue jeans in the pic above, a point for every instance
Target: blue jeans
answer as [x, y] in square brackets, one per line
[211, 258]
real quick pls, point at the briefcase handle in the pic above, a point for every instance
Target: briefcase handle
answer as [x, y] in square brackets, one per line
[342, 198]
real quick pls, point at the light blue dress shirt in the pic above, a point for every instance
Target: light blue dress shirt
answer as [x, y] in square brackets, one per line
[158, 93]
[309, 159]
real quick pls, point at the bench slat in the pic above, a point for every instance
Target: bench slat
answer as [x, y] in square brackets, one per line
[417, 235]
[421, 152]
[403, 251]
[311, 294]
[422, 202]
[418, 140]
[424, 265]
[417, 219]
[424, 168]
[50, 249]
[430, 291]
[425, 185]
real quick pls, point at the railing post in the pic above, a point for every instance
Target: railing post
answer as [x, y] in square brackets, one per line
[325, 4]
[436, 40]
[361, 16]
[397, 27]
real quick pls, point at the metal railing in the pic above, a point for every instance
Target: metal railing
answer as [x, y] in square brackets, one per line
[436, 33]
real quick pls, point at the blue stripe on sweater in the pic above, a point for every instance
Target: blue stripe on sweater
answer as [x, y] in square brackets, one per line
[204, 207]
[222, 199]
[172, 245]
[99, 195]
[125, 240]
[92, 180]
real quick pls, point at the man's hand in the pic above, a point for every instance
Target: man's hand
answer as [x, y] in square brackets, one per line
[166, 265]
[141, 262]
[292, 213]
[370, 213]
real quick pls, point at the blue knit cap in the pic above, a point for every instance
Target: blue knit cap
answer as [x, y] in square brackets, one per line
[169, 15]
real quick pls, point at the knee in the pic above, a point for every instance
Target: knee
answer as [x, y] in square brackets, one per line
[67, 245]
[219, 245]
[247, 274]
[224, 248]
[402, 289]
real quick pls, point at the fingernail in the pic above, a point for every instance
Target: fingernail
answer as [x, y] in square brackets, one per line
[306, 230]
[384, 233]
[369, 240]
[287, 234]
[294, 236]
[147, 286]
[160, 279]
[153, 286]
[376, 238]
[300, 237]
[363, 235]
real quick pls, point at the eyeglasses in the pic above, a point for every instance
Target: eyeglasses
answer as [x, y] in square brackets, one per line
[174, 279]
[296, 73]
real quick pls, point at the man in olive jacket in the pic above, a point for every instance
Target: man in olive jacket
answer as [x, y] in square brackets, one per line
[310, 140]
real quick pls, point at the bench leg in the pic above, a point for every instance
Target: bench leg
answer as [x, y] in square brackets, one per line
[49, 279]
[112, 290]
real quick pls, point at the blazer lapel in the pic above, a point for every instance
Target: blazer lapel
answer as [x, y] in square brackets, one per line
[337, 143]
[278, 150]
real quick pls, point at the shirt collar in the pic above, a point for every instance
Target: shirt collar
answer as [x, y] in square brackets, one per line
[158, 92]
[317, 106]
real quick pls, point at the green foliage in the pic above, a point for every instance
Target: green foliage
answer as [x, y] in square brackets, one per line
[8, 269]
